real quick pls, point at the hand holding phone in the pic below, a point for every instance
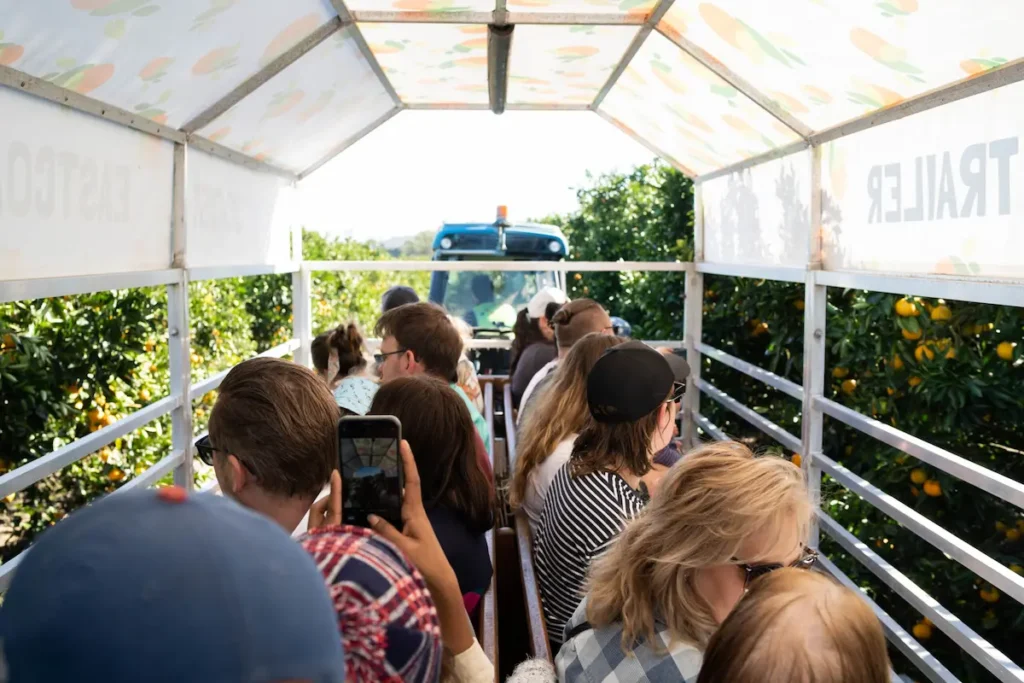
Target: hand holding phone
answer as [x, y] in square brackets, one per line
[371, 469]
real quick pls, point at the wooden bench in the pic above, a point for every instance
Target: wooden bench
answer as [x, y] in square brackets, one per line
[540, 647]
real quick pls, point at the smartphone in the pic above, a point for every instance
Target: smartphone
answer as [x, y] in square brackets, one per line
[371, 469]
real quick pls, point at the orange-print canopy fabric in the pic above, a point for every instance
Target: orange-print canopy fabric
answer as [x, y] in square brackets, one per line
[705, 83]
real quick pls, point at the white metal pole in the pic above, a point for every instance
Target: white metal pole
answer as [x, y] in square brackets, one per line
[302, 311]
[179, 346]
[815, 298]
[693, 313]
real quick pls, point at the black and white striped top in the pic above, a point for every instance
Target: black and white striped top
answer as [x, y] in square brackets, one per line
[582, 516]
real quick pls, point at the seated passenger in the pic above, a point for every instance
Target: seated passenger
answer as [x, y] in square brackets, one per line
[720, 519]
[801, 627]
[534, 344]
[572, 322]
[398, 295]
[273, 438]
[457, 496]
[465, 661]
[163, 587]
[466, 371]
[419, 339]
[339, 357]
[547, 436]
[631, 393]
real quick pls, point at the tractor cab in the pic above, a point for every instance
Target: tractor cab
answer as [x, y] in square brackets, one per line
[489, 300]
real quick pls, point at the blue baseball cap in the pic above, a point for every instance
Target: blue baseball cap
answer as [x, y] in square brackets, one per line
[164, 587]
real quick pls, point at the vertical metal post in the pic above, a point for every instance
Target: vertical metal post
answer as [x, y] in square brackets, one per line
[302, 310]
[693, 313]
[179, 346]
[815, 299]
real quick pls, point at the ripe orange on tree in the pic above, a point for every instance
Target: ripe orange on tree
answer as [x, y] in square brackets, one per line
[918, 476]
[906, 308]
[989, 594]
[1005, 350]
[932, 488]
[912, 336]
[849, 386]
[942, 313]
[1012, 535]
[922, 352]
[922, 631]
[840, 372]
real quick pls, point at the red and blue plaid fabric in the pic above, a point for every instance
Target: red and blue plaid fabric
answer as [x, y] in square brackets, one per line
[388, 622]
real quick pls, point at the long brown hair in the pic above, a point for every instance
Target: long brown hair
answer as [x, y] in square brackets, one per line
[561, 410]
[706, 507]
[527, 332]
[801, 627]
[437, 425]
[614, 446]
[347, 341]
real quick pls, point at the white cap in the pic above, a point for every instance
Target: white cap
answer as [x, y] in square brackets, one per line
[539, 303]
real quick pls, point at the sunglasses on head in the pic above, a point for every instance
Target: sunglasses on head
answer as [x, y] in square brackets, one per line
[754, 571]
[678, 391]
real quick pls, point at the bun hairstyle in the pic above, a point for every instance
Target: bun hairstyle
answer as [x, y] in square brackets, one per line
[347, 342]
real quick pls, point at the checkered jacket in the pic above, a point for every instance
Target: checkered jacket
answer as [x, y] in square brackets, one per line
[595, 656]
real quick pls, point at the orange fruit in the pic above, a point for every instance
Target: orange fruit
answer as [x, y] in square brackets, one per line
[849, 386]
[912, 336]
[922, 631]
[104, 454]
[918, 476]
[116, 474]
[798, 304]
[922, 352]
[1012, 535]
[1005, 350]
[914, 491]
[840, 373]
[1020, 525]
[95, 415]
[150, 346]
[942, 313]
[897, 363]
[906, 308]
[796, 459]
[932, 488]
[1001, 527]
[914, 381]
[144, 394]
[989, 594]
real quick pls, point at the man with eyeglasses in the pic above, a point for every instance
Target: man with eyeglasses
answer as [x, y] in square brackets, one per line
[419, 339]
[273, 438]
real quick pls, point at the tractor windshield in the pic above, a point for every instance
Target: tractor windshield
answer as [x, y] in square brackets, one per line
[491, 299]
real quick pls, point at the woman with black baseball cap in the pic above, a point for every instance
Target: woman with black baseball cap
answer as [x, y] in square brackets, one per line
[632, 393]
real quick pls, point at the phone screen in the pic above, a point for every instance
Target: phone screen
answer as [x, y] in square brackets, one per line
[371, 469]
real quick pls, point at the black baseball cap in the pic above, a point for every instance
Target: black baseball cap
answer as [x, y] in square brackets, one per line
[631, 380]
[396, 296]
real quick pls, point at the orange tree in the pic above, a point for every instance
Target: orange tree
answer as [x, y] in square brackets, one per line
[945, 371]
[71, 365]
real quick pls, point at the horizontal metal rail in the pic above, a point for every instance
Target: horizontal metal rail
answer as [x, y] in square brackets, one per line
[1001, 666]
[461, 266]
[953, 546]
[47, 287]
[998, 485]
[896, 634]
[205, 386]
[40, 468]
[770, 378]
[247, 270]
[709, 428]
[373, 343]
[764, 424]
[471, 17]
[1001, 292]
[779, 273]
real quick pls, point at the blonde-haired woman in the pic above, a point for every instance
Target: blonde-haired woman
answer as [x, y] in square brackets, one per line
[798, 627]
[548, 433]
[721, 518]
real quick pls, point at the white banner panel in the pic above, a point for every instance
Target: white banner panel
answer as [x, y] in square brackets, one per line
[760, 215]
[79, 195]
[236, 215]
[938, 192]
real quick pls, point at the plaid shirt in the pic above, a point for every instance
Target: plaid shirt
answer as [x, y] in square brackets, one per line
[596, 656]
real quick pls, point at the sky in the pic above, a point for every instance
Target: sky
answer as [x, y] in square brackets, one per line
[422, 168]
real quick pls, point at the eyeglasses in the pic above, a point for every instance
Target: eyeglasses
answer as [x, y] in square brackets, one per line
[754, 571]
[205, 450]
[379, 358]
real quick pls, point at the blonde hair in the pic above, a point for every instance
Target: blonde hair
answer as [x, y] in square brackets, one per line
[707, 506]
[561, 410]
[798, 626]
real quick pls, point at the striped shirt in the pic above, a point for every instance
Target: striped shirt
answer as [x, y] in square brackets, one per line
[582, 516]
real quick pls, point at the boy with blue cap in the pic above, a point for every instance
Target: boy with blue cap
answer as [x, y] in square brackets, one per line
[163, 587]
